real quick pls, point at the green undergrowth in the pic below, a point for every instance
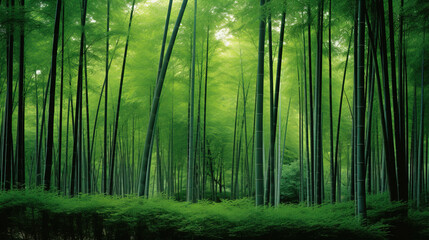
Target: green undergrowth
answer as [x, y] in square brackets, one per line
[33, 214]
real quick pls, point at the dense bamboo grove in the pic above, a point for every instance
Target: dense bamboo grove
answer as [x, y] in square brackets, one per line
[274, 100]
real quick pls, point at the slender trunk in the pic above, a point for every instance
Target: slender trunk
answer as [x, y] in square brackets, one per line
[368, 159]
[390, 158]
[269, 199]
[331, 129]
[360, 114]
[191, 161]
[309, 182]
[67, 147]
[7, 130]
[246, 153]
[205, 106]
[276, 97]
[386, 152]
[115, 131]
[234, 144]
[77, 131]
[20, 153]
[300, 138]
[421, 132]
[310, 89]
[40, 143]
[60, 130]
[36, 149]
[50, 140]
[259, 113]
[197, 148]
[154, 108]
[160, 187]
[284, 143]
[161, 60]
[369, 156]
[340, 108]
[401, 163]
[88, 173]
[403, 190]
[106, 94]
[318, 151]
[237, 164]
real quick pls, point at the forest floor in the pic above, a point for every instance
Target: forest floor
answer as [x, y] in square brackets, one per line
[33, 214]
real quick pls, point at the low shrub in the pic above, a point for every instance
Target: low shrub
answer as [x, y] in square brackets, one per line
[33, 214]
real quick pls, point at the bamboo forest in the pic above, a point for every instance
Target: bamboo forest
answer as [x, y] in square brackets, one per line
[214, 119]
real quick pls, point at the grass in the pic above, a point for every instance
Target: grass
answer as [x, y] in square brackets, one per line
[33, 214]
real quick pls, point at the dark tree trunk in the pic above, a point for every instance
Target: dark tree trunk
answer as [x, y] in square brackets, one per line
[337, 144]
[360, 114]
[88, 148]
[77, 131]
[310, 89]
[331, 128]
[234, 144]
[106, 94]
[390, 158]
[401, 163]
[115, 131]
[205, 108]
[20, 153]
[259, 113]
[318, 151]
[190, 187]
[7, 130]
[154, 107]
[60, 129]
[50, 140]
